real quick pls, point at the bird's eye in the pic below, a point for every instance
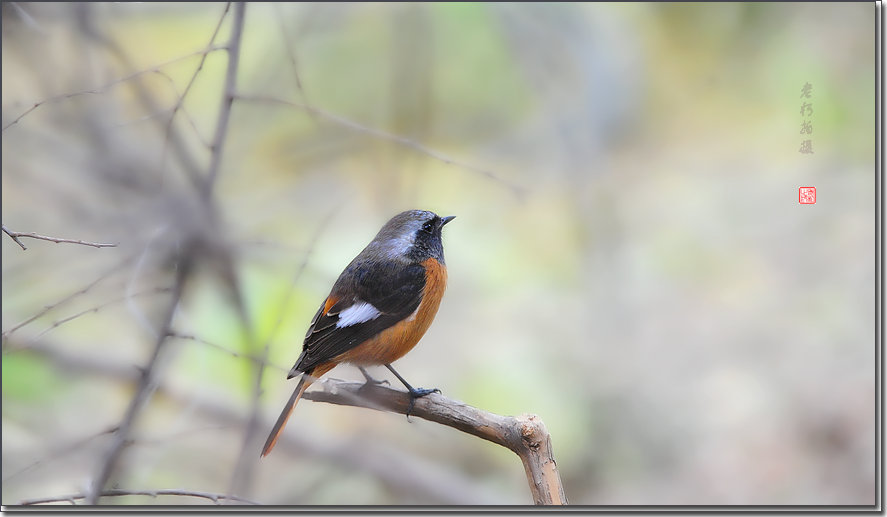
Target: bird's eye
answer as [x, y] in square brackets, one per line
[428, 226]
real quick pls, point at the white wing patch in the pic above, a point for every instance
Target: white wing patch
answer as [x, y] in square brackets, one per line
[360, 312]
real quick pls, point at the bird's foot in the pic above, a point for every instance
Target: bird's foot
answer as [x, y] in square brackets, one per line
[370, 381]
[416, 393]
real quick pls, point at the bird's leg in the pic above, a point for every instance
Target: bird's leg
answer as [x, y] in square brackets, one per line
[414, 392]
[370, 380]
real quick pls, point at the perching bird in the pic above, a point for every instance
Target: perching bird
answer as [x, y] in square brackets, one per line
[378, 309]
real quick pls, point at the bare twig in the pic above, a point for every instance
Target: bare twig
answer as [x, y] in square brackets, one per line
[106, 87]
[14, 237]
[57, 240]
[383, 135]
[233, 49]
[79, 292]
[232, 353]
[172, 111]
[287, 45]
[97, 308]
[143, 392]
[242, 471]
[215, 498]
[247, 458]
[27, 18]
[64, 450]
[145, 95]
[59, 452]
[525, 434]
[181, 99]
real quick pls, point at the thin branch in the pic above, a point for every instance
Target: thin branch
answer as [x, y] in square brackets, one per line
[215, 498]
[146, 98]
[97, 308]
[60, 452]
[27, 18]
[525, 435]
[106, 87]
[57, 240]
[233, 48]
[181, 99]
[247, 459]
[138, 120]
[383, 135]
[232, 353]
[143, 392]
[287, 45]
[172, 111]
[14, 237]
[79, 292]
[242, 470]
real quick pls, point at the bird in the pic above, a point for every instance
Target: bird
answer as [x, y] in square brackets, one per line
[378, 309]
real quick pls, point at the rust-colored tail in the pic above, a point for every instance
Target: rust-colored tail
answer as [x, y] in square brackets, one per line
[304, 382]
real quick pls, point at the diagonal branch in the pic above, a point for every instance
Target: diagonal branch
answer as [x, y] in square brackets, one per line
[144, 391]
[15, 236]
[288, 46]
[384, 135]
[79, 292]
[181, 98]
[525, 435]
[96, 308]
[58, 452]
[102, 89]
[145, 95]
[233, 49]
[246, 461]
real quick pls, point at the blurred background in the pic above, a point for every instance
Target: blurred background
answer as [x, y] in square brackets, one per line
[630, 260]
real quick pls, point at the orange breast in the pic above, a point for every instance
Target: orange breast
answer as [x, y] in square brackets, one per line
[394, 342]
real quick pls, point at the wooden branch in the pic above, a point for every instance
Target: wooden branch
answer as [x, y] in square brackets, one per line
[146, 386]
[15, 237]
[216, 498]
[233, 49]
[525, 435]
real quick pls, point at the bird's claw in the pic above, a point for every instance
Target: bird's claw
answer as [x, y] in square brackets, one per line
[418, 393]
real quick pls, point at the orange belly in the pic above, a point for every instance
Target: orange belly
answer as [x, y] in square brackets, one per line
[394, 342]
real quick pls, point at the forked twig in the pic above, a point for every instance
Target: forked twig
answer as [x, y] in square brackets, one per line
[15, 237]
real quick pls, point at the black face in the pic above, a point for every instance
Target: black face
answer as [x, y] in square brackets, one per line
[427, 243]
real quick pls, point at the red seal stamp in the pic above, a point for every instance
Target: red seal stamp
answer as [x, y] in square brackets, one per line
[807, 195]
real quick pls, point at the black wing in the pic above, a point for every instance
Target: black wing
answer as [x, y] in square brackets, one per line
[393, 289]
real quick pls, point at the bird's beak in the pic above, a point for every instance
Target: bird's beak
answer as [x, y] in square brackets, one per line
[445, 220]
